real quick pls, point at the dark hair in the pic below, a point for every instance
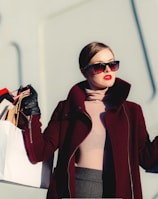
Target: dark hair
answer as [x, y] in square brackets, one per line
[89, 51]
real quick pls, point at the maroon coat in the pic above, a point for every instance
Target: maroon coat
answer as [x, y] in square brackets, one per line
[69, 126]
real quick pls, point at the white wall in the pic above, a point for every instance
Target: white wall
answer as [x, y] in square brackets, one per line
[43, 39]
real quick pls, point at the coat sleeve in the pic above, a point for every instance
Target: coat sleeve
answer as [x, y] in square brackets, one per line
[148, 150]
[41, 145]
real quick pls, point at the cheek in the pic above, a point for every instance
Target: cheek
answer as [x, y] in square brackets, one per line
[113, 76]
[96, 80]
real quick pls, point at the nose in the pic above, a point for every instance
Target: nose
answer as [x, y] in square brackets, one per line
[107, 69]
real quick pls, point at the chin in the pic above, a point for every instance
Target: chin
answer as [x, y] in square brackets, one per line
[111, 83]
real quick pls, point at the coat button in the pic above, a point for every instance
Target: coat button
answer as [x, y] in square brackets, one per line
[66, 114]
[79, 108]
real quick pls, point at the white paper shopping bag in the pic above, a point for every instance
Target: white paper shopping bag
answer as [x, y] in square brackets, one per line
[14, 163]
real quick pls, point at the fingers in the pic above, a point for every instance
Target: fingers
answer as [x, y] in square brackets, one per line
[32, 90]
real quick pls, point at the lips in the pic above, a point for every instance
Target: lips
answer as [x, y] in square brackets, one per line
[107, 77]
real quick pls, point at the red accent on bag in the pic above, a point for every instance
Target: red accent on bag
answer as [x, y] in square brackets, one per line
[3, 91]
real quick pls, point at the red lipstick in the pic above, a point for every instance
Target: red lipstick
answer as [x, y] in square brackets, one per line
[107, 77]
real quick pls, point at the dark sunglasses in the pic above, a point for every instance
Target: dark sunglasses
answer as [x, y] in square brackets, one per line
[100, 67]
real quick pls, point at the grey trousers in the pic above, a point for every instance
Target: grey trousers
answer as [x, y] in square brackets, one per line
[89, 183]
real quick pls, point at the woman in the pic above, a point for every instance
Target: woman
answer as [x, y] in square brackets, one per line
[101, 137]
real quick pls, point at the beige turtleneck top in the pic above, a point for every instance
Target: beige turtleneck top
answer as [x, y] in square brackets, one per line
[92, 148]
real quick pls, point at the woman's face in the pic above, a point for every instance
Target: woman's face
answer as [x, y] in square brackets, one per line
[103, 79]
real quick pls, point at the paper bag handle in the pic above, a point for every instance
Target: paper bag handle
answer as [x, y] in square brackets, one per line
[12, 114]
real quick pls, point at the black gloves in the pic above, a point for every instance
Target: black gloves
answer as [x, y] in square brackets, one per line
[29, 104]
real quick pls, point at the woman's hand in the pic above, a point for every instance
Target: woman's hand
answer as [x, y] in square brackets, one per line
[29, 104]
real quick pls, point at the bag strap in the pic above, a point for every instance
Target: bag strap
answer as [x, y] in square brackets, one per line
[12, 114]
